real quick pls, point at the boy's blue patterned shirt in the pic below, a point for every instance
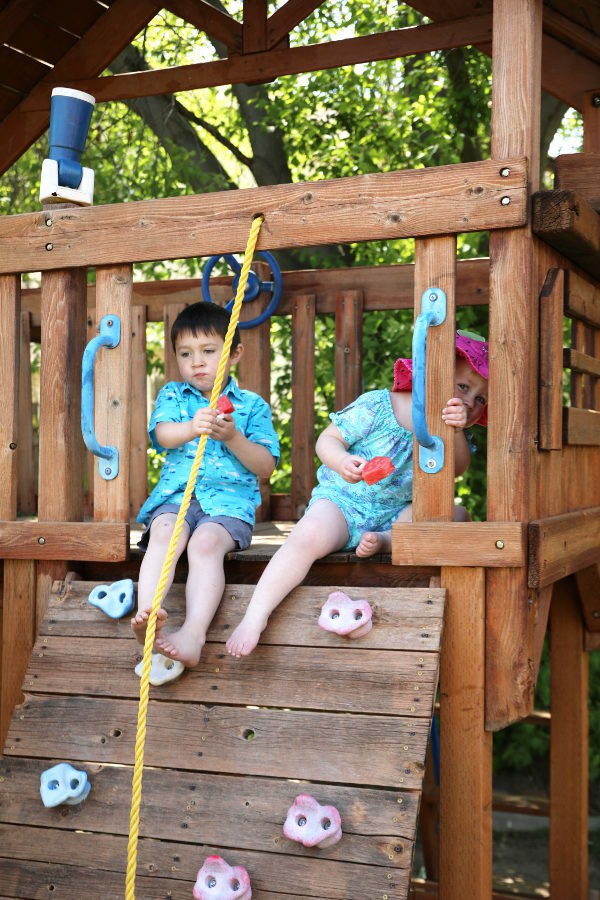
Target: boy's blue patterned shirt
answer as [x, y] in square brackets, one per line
[224, 485]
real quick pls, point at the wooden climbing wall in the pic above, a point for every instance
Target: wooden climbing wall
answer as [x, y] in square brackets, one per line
[228, 748]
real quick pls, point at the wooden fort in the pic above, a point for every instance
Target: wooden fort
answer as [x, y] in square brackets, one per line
[231, 743]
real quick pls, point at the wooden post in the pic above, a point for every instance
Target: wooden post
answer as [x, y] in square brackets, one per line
[465, 746]
[516, 66]
[170, 313]
[26, 466]
[138, 467]
[303, 402]
[90, 459]
[591, 121]
[348, 347]
[112, 400]
[568, 747]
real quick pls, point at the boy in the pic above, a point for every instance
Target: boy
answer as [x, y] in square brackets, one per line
[241, 447]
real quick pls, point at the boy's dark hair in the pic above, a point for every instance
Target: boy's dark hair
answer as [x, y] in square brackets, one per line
[203, 318]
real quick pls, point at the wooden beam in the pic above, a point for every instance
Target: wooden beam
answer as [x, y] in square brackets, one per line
[579, 172]
[287, 17]
[18, 634]
[108, 541]
[569, 32]
[580, 362]
[582, 299]
[26, 488]
[213, 22]
[495, 544]
[303, 403]
[588, 588]
[568, 863]
[254, 28]
[10, 315]
[138, 466]
[561, 545]
[13, 15]
[382, 206]
[274, 63]
[552, 301]
[88, 57]
[591, 120]
[348, 348]
[566, 221]
[581, 426]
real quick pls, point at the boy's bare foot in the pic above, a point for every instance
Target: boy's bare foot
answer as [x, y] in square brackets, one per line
[373, 542]
[245, 637]
[182, 645]
[139, 623]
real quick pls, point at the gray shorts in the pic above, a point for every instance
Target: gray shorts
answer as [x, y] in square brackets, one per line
[240, 531]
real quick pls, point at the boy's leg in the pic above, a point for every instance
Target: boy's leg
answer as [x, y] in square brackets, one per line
[321, 530]
[205, 585]
[151, 567]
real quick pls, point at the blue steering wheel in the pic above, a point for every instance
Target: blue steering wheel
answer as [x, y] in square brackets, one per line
[253, 286]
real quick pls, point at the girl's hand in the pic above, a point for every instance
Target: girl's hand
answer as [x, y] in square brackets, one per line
[455, 413]
[351, 468]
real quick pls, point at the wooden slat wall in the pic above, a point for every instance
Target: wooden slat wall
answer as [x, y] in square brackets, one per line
[303, 403]
[363, 749]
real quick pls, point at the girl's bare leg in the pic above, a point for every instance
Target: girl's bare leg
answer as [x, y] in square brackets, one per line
[321, 530]
[151, 568]
[205, 585]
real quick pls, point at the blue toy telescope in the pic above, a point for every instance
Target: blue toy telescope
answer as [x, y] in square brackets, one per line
[63, 176]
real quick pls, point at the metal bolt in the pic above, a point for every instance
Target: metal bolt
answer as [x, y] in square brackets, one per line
[12, 445]
[431, 463]
[505, 172]
[596, 100]
[433, 298]
[49, 246]
[505, 201]
[500, 545]
[48, 223]
[110, 323]
[596, 614]
[41, 540]
[346, 349]
[107, 470]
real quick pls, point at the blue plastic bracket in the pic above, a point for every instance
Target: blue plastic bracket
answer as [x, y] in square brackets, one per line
[431, 447]
[110, 335]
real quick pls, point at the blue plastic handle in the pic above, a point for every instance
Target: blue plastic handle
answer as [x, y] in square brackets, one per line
[110, 335]
[431, 447]
[253, 286]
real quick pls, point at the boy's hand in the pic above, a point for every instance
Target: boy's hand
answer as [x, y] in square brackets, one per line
[351, 468]
[455, 413]
[217, 426]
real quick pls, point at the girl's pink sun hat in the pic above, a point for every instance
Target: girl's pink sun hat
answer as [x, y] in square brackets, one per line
[469, 346]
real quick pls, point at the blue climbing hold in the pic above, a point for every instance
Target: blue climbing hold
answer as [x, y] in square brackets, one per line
[115, 599]
[63, 784]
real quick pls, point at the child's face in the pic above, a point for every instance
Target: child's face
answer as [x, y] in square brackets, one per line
[472, 390]
[198, 359]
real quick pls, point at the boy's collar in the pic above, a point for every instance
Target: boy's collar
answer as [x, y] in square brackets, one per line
[231, 388]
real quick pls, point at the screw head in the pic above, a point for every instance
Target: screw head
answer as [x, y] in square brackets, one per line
[505, 172]
[431, 463]
[505, 201]
[433, 297]
[12, 445]
[107, 470]
[41, 540]
[49, 246]
[48, 223]
[596, 100]
[500, 545]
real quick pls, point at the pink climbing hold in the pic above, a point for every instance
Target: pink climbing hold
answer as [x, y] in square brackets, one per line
[377, 469]
[346, 617]
[311, 824]
[217, 880]
[224, 405]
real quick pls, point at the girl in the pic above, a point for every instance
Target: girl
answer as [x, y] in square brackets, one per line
[344, 511]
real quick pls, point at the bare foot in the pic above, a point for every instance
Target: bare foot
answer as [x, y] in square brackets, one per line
[139, 623]
[182, 645]
[373, 542]
[245, 637]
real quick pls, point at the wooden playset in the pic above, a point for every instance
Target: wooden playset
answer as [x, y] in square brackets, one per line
[232, 743]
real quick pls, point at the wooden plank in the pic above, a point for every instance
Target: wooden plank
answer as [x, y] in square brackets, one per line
[112, 394]
[579, 172]
[303, 403]
[581, 426]
[435, 267]
[582, 299]
[64, 540]
[138, 464]
[90, 459]
[580, 362]
[465, 746]
[287, 61]
[18, 632]
[577, 341]
[568, 747]
[89, 57]
[591, 121]
[380, 206]
[285, 19]
[34, 857]
[10, 314]
[233, 740]
[561, 545]
[566, 221]
[254, 27]
[552, 299]
[348, 347]
[26, 487]
[498, 544]
[404, 618]
[588, 587]
[170, 313]
[516, 94]
[213, 22]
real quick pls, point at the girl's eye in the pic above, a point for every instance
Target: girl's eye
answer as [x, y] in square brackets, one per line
[481, 400]
[463, 387]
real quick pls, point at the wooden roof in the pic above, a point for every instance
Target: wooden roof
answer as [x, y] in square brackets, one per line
[71, 42]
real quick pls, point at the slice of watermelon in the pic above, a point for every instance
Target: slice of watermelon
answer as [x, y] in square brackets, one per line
[224, 405]
[377, 468]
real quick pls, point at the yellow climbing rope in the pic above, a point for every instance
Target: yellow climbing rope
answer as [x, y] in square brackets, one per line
[136, 795]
